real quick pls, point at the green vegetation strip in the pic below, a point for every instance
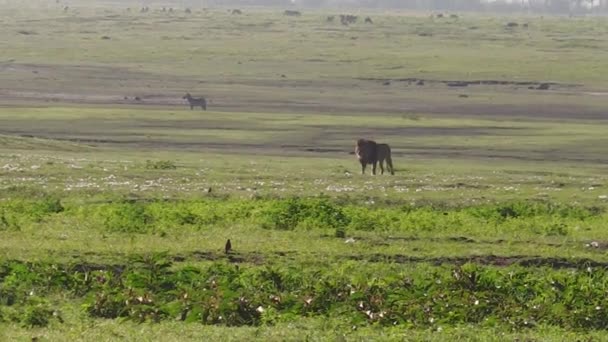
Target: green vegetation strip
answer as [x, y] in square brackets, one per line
[158, 216]
[150, 289]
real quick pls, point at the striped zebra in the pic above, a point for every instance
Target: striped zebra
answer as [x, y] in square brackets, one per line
[195, 102]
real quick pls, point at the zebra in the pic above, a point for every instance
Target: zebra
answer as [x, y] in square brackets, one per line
[195, 102]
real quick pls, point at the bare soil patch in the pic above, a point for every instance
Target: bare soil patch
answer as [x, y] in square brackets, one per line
[44, 84]
[260, 258]
[543, 85]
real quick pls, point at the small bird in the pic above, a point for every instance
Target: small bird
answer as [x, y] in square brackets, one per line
[228, 247]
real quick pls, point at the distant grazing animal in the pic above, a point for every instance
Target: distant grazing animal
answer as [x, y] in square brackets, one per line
[292, 13]
[368, 20]
[544, 86]
[346, 19]
[188, 11]
[228, 247]
[236, 11]
[330, 19]
[200, 102]
[370, 152]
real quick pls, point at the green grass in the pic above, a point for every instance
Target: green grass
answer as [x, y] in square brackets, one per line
[423, 134]
[206, 43]
[315, 330]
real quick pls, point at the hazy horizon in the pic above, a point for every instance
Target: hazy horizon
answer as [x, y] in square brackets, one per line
[593, 7]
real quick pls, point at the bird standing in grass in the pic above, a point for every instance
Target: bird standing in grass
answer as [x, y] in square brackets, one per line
[228, 247]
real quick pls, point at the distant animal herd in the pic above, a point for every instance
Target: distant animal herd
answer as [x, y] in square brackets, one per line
[345, 19]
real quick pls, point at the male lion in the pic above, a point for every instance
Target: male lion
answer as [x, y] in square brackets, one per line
[370, 152]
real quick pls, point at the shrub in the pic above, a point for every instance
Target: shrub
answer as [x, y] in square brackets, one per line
[306, 213]
[38, 315]
[125, 217]
[17, 212]
[160, 165]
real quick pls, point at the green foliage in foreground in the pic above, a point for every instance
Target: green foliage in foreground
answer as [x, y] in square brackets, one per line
[150, 289]
[544, 218]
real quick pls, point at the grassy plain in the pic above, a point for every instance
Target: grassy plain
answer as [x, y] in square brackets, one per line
[496, 183]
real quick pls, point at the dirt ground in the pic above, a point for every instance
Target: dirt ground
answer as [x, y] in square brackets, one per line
[34, 85]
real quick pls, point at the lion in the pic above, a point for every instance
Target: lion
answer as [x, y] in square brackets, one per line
[370, 152]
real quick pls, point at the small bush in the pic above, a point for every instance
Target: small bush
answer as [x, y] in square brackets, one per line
[125, 217]
[17, 212]
[340, 233]
[306, 213]
[7, 221]
[38, 315]
[160, 165]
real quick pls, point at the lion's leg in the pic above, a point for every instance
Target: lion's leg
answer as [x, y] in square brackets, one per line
[389, 161]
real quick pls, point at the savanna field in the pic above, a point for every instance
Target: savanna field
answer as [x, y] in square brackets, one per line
[116, 199]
